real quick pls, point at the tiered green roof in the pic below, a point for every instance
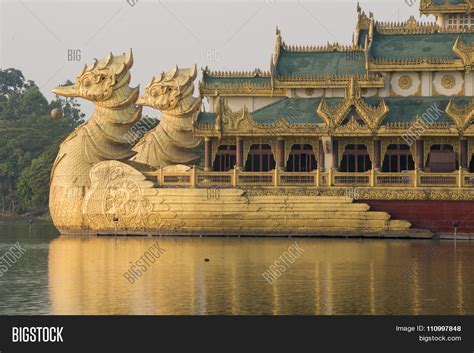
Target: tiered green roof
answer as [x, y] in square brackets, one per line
[407, 109]
[293, 110]
[320, 63]
[206, 118]
[415, 46]
[304, 110]
[377, 47]
[437, 45]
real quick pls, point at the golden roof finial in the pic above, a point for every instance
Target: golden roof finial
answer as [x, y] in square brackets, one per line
[353, 90]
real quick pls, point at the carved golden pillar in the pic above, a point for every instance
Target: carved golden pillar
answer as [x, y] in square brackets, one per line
[464, 152]
[239, 153]
[280, 160]
[377, 153]
[321, 161]
[207, 154]
[335, 155]
[420, 155]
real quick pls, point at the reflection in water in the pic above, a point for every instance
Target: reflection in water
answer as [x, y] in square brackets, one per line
[331, 277]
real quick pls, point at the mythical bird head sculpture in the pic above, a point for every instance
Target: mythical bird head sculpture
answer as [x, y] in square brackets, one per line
[98, 81]
[169, 89]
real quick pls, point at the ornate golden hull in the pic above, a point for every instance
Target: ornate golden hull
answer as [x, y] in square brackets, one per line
[122, 201]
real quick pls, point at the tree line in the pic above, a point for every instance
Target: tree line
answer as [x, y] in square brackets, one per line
[29, 141]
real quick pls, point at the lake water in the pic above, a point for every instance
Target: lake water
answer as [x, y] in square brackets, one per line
[73, 275]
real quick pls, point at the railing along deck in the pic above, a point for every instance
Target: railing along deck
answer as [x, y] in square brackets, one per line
[277, 178]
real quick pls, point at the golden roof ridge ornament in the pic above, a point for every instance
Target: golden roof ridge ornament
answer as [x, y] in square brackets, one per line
[236, 74]
[327, 48]
[278, 45]
[411, 26]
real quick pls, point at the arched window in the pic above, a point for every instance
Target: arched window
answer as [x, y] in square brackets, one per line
[225, 158]
[355, 159]
[398, 159]
[260, 159]
[301, 159]
[441, 159]
[471, 165]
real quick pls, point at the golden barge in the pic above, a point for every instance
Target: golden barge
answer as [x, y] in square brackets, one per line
[371, 139]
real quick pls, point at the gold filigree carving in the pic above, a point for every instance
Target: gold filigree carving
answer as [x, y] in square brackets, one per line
[405, 82]
[448, 81]
[466, 52]
[231, 120]
[244, 88]
[120, 197]
[328, 81]
[363, 193]
[419, 64]
[429, 7]
[411, 26]
[448, 84]
[462, 115]
[404, 85]
[333, 116]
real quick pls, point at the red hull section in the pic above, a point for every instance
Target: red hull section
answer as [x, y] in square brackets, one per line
[437, 216]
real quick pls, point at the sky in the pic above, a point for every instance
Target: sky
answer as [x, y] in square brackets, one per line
[50, 41]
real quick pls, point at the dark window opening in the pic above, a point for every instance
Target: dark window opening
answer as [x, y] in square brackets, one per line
[225, 158]
[260, 159]
[398, 159]
[301, 159]
[355, 159]
[442, 159]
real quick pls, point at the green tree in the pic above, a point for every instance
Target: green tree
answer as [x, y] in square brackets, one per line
[29, 138]
[33, 184]
[12, 81]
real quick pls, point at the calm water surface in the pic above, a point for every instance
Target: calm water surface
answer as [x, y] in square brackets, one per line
[72, 275]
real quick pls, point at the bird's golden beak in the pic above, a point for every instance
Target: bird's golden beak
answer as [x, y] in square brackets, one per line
[66, 91]
[141, 101]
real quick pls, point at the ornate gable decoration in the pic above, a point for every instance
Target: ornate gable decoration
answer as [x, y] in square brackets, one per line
[462, 116]
[228, 119]
[334, 116]
[466, 52]
[241, 123]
